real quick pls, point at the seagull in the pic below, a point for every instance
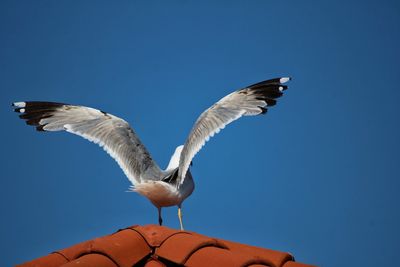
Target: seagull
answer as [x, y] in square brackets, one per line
[164, 188]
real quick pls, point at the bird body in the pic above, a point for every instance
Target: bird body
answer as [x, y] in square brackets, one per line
[164, 194]
[164, 188]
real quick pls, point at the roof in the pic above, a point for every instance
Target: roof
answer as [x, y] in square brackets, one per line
[159, 246]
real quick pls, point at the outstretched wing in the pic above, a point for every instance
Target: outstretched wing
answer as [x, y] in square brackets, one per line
[250, 101]
[110, 132]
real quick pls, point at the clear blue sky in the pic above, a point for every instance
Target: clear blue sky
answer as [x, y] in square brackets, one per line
[317, 177]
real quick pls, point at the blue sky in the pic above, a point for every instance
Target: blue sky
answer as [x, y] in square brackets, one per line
[317, 177]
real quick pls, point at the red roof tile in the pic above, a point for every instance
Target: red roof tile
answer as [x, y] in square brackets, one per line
[158, 246]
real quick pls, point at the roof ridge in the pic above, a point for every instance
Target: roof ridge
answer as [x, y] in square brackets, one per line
[153, 236]
[153, 245]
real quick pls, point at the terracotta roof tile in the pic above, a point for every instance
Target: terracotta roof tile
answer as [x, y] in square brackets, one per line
[158, 246]
[178, 248]
[155, 234]
[91, 260]
[266, 256]
[117, 246]
[154, 263]
[54, 259]
[213, 256]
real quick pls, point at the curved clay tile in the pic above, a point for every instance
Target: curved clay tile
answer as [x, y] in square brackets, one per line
[154, 263]
[91, 260]
[158, 246]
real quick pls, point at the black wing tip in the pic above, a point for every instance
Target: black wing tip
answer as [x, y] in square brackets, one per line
[263, 110]
[39, 128]
[34, 105]
[34, 111]
[268, 91]
[18, 106]
[274, 81]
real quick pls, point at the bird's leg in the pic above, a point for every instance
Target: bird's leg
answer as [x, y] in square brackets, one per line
[180, 217]
[159, 216]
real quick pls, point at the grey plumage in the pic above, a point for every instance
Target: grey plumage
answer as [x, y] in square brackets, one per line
[162, 187]
[110, 132]
[250, 101]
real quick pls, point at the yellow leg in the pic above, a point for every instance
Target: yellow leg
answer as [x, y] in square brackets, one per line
[180, 217]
